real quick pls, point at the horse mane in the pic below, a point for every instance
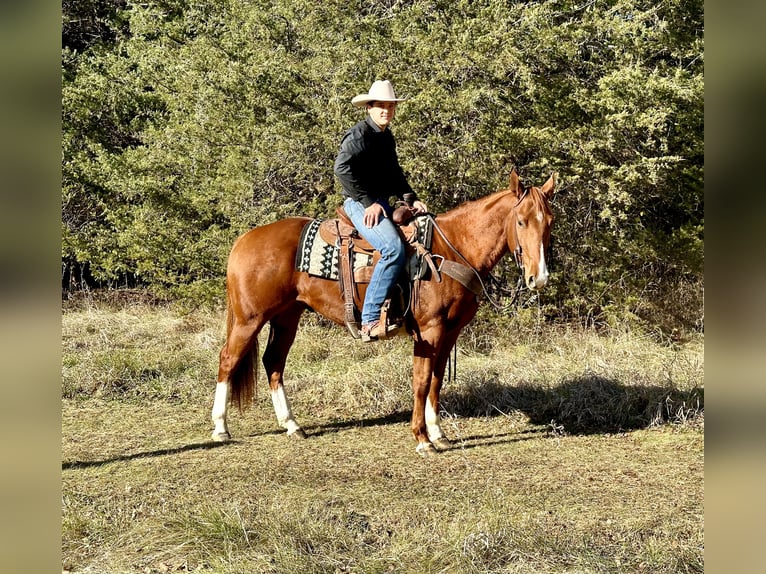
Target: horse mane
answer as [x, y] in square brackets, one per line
[471, 209]
[537, 197]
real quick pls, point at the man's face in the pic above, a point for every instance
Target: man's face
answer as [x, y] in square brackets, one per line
[382, 113]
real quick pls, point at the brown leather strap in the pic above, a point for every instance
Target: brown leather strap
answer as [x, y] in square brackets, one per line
[384, 316]
[429, 260]
[347, 286]
[462, 274]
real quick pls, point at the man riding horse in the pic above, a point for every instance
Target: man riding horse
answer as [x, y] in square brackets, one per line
[265, 286]
[369, 172]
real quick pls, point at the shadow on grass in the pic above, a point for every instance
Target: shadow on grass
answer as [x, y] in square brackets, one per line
[312, 431]
[149, 454]
[586, 404]
[469, 442]
[337, 426]
[459, 443]
[462, 443]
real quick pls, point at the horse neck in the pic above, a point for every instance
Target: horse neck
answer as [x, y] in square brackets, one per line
[478, 229]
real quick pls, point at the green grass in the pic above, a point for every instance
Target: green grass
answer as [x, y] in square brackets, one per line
[574, 452]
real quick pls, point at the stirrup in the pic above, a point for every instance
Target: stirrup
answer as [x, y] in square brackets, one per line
[376, 330]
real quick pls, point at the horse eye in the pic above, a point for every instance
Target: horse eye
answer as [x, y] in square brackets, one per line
[521, 224]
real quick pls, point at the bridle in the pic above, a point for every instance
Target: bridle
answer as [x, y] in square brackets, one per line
[517, 252]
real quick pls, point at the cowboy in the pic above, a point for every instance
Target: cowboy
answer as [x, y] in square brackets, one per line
[369, 172]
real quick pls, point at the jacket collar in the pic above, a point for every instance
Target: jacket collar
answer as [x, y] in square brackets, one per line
[373, 125]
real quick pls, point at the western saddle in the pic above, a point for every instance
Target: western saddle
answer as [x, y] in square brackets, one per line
[341, 232]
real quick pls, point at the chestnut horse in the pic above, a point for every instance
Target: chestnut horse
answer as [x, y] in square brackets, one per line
[264, 287]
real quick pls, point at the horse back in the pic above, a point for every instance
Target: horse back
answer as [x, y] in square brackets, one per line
[269, 248]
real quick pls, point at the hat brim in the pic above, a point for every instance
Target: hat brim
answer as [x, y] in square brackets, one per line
[364, 99]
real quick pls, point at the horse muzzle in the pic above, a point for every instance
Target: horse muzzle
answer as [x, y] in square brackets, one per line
[537, 283]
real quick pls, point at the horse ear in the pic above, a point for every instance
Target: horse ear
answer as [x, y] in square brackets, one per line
[549, 187]
[514, 184]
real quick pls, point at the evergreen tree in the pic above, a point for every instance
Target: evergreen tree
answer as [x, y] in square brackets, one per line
[187, 123]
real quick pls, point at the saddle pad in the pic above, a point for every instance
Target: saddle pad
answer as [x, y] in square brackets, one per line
[318, 258]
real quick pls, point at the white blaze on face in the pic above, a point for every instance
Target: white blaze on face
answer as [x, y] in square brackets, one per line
[542, 269]
[283, 411]
[541, 279]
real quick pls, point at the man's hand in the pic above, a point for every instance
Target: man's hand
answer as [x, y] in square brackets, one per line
[373, 214]
[419, 206]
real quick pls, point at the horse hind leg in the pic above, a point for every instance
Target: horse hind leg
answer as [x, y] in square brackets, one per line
[281, 337]
[235, 368]
[220, 406]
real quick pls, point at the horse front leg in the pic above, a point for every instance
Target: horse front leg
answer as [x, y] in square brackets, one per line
[433, 403]
[422, 372]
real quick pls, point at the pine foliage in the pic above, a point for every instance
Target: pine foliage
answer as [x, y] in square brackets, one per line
[186, 123]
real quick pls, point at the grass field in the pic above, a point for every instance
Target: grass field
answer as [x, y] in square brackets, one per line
[574, 452]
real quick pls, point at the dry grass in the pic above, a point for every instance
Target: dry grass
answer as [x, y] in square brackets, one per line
[574, 452]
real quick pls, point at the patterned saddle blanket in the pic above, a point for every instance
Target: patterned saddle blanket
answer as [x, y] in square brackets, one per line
[320, 258]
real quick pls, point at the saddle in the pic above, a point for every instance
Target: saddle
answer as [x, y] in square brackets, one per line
[331, 229]
[341, 232]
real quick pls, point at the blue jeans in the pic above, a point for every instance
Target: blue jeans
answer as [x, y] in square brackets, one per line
[385, 238]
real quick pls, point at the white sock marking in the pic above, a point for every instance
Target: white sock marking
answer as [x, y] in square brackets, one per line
[433, 422]
[220, 404]
[283, 411]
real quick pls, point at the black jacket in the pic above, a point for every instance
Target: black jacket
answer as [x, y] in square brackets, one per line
[368, 167]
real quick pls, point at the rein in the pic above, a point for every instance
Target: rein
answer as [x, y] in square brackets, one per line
[517, 256]
[517, 252]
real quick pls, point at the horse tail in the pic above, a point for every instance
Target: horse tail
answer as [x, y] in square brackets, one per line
[243, 377]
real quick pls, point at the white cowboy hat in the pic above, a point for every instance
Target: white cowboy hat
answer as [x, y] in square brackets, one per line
[380, 91]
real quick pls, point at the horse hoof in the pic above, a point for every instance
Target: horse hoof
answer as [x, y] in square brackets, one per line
[442, 443]
[426, 449]
[297, 434]
[221, 437]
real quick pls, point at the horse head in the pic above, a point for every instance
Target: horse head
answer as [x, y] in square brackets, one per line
[528, 229]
